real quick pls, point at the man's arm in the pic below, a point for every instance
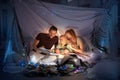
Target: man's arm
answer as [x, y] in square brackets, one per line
[56, 42]
[35, 43]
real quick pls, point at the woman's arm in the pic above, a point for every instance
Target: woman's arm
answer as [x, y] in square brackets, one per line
[79, 51]
[78, 47]
[80, 43]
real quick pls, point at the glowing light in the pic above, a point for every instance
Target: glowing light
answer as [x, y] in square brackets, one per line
[59, 33]
[33, 59]
[53, 47]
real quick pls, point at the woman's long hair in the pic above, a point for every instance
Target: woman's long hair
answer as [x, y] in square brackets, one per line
[73, 39]
[73, 34]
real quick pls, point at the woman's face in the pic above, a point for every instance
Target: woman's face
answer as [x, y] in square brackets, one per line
[68, 36]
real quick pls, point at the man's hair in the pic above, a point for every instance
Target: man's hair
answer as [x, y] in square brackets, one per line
[53, 28]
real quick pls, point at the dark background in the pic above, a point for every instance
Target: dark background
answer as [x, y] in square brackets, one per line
[4, 11]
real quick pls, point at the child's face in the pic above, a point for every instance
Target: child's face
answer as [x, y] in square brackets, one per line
[63, 40]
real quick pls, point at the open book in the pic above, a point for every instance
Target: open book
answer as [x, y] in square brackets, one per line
[44, 50]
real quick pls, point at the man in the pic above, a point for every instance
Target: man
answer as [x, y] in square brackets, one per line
[46, 40]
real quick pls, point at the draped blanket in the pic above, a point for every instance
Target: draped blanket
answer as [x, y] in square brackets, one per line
[35, 16]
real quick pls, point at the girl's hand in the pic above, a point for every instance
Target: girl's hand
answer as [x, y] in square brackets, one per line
[57, 51]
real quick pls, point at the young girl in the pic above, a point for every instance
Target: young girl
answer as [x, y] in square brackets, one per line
[63, 47]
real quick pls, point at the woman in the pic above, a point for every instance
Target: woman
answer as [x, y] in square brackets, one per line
[75, 43]
[77, 46]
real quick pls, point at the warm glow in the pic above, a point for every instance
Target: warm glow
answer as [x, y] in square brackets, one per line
[33, 59]
[58, 33]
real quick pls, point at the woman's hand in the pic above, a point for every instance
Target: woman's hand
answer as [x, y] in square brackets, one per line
[78, 51]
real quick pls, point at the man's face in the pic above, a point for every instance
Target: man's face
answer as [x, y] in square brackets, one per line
[52, 33]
